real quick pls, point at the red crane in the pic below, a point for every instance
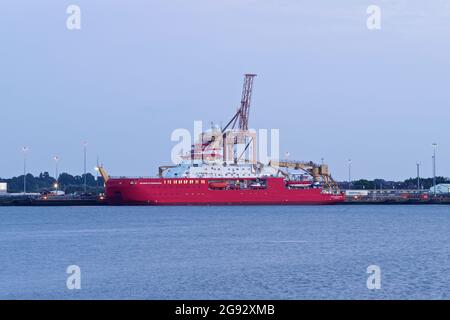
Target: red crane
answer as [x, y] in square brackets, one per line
[244, 110]
[242, 113]
[246, 101]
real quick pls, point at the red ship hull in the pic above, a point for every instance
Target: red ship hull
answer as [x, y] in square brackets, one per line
[203, 191]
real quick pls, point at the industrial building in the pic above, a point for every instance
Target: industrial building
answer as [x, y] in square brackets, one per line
[443, 188]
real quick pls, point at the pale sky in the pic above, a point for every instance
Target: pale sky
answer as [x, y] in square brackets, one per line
[137, 70]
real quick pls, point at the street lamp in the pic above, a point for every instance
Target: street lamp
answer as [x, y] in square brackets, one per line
[84, 149]
[24, 151]
[349, 173]
[434, 145]
[418, 175]
[96, 170]
[56, 158]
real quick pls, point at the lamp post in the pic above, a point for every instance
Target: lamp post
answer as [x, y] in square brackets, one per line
[434, 145]
[56, 158]
[349, 173]
[24, 151]
[96, 170]
[85, 150]
[418, 175]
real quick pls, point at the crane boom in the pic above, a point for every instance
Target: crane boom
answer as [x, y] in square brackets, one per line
[244, 110]
[242, 114]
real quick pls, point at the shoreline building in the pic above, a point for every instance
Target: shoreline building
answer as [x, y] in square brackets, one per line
[442, 188]
[3, 188]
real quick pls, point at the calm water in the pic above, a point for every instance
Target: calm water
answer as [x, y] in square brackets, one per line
[225, 252]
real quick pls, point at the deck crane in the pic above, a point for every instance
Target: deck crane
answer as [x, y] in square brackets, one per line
[319, 172]
[240, 119]
[243, 112]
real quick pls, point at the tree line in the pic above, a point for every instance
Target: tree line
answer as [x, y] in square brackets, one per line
[72, 184]
[411, 183]
[66, 182]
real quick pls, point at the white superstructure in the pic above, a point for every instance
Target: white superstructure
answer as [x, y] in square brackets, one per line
[217, 170]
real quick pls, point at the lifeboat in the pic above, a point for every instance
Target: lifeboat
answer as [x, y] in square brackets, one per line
[218, 185]
[299, 184]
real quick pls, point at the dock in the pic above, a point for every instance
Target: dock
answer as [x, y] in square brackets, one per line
[24, 200]
[100, 201]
